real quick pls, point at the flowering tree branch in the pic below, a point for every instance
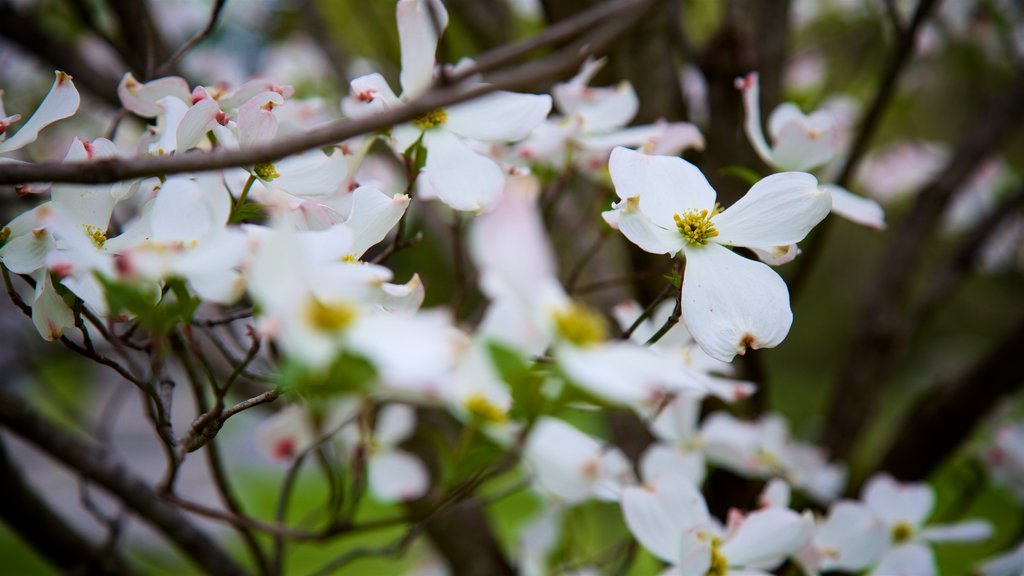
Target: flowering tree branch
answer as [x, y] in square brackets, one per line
[620, 16]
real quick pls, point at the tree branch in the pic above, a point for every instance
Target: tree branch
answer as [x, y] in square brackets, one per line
[883, 327]
[99, 465]
[565, 61]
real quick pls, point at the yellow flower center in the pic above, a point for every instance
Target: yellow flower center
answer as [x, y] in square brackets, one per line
[431, 119]
[330, 317]
[266, 171]
[5, 235]
[482, 409]
[719, 563]
[902, 532]
[350, 259]
[580, 325]
[696, 226]
[99, 237]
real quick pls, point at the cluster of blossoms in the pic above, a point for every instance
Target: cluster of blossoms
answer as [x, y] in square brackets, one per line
[301, 241]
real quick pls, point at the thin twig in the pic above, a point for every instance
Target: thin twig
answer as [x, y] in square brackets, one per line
[215, 12]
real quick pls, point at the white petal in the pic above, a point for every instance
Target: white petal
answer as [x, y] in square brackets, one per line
[642, 231]
[661, 460]
[180, 212]
[857, 209]
[695, 559]
[373, 215]
[804, 145]
[26, 253]
[626, 373]
[50, 315]
[499, 116]
[784, 114]
[285, 434]
[61, 102]
[370, 94]
[395, 423]
[896, 502]
[662, 138]
[776, 494]
[907, 560]
[972, 531]
[1008, 564]
[462, 179]
[666, 185]
[750, 85]
[403, 299]
[731, 303]
[660, 514]
[418, 38]
[397, 476]
[776, 255]
[767, 537]
[200, 119]
[312, 174]
[778, 210]
[564, 461]
[851, 538]
[141, 99]
[409, 352]
[612, 109]
[256, 121]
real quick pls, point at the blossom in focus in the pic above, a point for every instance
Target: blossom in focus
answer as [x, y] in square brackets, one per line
[729, 303]
[803, 142]
[60, 102]
[669, 518]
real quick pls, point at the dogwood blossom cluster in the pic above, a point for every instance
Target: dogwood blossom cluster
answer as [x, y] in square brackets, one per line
[304, 243]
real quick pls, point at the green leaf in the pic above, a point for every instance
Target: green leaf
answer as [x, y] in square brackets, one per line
[157, 313]
[748, 175]
[349, 373]
[247, 211]
[525, 380]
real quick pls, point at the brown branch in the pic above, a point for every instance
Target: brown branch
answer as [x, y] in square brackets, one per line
[898, 61]
[112, 170]
[215, 12]
[883, 328]
[40, 527]
[97, 464]
[944, 417]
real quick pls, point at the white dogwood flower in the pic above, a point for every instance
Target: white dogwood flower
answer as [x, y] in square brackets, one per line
[804, 142]
[730, 303]
[459, 175]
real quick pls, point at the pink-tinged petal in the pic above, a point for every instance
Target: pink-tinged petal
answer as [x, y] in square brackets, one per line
[499, 116]
[895, 502]
[251, 88]
[660, 514]
[373, 215]
[396, 476]
[200, 119]
[369, 94]
[61, 102]
[907, 560]
[461, 178]
[767, 537]
[857, 209]
[661, 138]
[418, 37]
[141, 99]
[256, 121]
[778, 210]
[284, 435]
[642, 231]
[971, 531]
[851, 538]
[666, 185]
[50, 315]
[750, 86]
[731, 303]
